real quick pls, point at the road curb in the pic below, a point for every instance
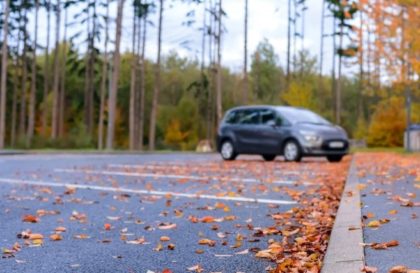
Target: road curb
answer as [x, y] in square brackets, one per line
[345, 253]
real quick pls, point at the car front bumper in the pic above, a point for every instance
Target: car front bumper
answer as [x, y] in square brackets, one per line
[325, 149]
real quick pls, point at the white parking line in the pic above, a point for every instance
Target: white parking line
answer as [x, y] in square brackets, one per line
[189, 167]
[174, 176]
[144, 192]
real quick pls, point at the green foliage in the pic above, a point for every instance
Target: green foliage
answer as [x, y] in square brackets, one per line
[180, 124]
[300, 94]
[265, 73]
[361, 128]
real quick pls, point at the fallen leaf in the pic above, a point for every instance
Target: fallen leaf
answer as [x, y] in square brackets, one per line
[60, 229]
[196, 268]
[166, 226]
[56, 237]
[165, 238]
[207, 242]
[138, 241]
[30, 218]
[398, 269]
[171, 246]
[246, 251]
[81, 236]
[374, 224]
[35, 236]
[369, 269]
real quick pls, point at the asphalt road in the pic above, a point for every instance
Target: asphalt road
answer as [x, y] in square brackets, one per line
[393, 196]
[121, 206]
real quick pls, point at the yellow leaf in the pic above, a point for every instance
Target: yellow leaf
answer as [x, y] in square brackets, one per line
[374, 224]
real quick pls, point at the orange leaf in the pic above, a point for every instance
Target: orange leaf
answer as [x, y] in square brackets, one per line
[30, 219]
[56, 237]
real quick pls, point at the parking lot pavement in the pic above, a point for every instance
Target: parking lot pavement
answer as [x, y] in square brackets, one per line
[180, 212]
[390, 194]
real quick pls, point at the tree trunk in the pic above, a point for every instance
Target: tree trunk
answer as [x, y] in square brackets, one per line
[210, 73]
[90, 72]
[219, 65]
[46, 72]
[134, 62]
[142, 83]
[289, 37]
[334, 85]
[137, 95]
[152, 134]
[112, 102]
[14, 100]
[32, 100]
[245, 68]
[321, 48]
[3, 81]
[56, 79]
[62, 101]
[104, 80]
[361, 67]
[22, 120]
[338, 95]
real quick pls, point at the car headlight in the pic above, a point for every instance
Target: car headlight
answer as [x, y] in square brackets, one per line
[312, 139]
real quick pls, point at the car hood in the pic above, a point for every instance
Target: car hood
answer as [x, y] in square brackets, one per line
[326, 131]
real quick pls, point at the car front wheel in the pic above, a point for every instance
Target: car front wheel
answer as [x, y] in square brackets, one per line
[227, 151]
[334, 158]
[291, 151]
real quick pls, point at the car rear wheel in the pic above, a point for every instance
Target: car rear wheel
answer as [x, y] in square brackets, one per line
[227, 151]
[291, 151]
[334, 158]
[269, 157]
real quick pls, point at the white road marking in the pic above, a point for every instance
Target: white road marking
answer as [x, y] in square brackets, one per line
[185, 166]
[175, 176]
[144, 192]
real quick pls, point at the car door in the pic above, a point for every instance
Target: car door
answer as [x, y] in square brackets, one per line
[246, 131]
[271, 131]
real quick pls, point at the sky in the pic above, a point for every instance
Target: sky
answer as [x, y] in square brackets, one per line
[267, 20]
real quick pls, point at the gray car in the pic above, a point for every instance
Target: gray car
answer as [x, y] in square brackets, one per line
[280, 130]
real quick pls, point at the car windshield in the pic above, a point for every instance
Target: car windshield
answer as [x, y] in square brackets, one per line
[295, 115]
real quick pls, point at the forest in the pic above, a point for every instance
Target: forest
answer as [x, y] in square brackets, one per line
[86, 90]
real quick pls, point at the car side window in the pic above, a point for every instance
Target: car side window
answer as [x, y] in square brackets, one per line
[268, 117]
[232, 117]
[249, 116]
